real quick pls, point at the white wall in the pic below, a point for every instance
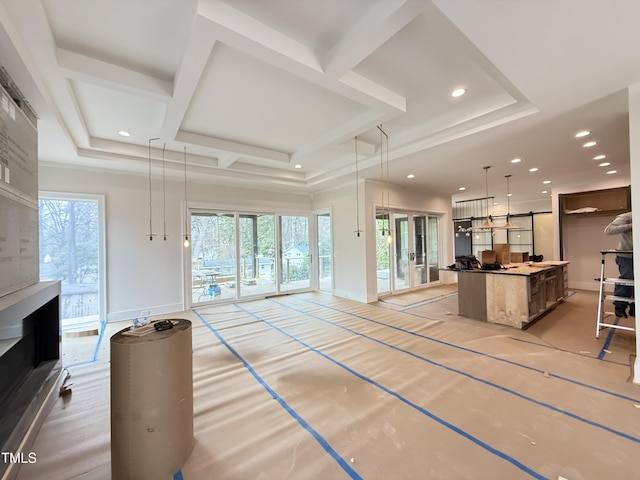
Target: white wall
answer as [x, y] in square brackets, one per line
[143, 274]
[583, 238]
[349, 252]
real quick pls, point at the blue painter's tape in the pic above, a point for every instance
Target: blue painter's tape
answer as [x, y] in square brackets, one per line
[472, 377]
[516, 463]
[569, 352]
[103, 327]
[476, 352]
[607, 342]
[323, 443]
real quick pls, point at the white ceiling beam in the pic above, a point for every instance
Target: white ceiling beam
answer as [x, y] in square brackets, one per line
[234, 24]
[365, 149]
[374, 90]
[225, 161]
[40, 59]
[378, 25]
[133, 150]
[196, 54]
[340, 134]
[80, 67]
[227, 146]
[246, 34]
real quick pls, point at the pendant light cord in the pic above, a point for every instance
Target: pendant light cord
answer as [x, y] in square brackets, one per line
[186, 209]
[357, 191]
[164, 196]
[150, 208]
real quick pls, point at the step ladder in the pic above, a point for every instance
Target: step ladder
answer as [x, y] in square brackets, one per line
[600, 324]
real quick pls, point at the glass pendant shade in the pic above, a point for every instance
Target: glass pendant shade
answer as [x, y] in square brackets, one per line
[488, 223]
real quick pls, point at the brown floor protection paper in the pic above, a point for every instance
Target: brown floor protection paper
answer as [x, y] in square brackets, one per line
[312, 386]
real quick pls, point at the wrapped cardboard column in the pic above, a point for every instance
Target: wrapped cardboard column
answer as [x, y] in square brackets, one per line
[151, 401]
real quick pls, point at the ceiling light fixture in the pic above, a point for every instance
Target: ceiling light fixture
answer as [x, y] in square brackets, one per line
[611, 172]
[547, 182]
[411, 175]
[516, 160]
[297, 165]
[545, 191]
[462, 188]
[589, 144]
[458, 92]
[599, 157]
[582, 133]
[150, 209]
[534, 169]
[487, 224]
[604, 164]
[124, 133]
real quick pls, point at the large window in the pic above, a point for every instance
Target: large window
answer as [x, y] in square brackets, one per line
[241, 254]
[70, 229]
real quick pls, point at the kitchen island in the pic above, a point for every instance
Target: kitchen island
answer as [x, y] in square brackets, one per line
[516, 295]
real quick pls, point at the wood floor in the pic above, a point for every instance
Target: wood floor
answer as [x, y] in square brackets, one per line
[312, 386]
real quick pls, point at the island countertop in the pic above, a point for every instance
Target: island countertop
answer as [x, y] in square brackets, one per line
[515, 295]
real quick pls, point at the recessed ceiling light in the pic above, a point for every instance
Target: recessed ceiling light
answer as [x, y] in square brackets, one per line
[582, 133]
[462, 188]
[604, 164]
[589, 144]
[516, 160]
[545, 191]
[458, 92]
[534, 169]
[611, 172]
[297, 165]
[547, 182]
[509, 194]
[124, 133]
[411, 175]
[599, 157]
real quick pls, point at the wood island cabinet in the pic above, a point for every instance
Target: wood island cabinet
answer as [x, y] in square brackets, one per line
[515, 296]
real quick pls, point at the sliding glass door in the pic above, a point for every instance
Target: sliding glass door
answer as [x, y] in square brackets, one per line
[257, 254]
[295, 257]
[407, 254]
[240, 254]
[213, 256]
[420, 271]
[402, 253]
[325, 253]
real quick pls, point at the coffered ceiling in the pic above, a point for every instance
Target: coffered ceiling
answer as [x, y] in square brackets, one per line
[272, 93]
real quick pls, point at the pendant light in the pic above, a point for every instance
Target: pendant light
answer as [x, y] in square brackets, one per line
[164, 196]
[151, 235]
[186, 210]
[487, 224]
[388, 232]
[508, 224]
[358, 231]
